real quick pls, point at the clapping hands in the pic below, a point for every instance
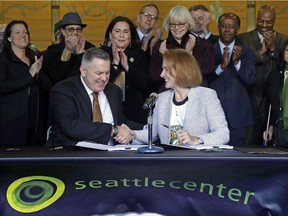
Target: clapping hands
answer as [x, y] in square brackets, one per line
[237, 51]
[36, 66]
[191, 43]
[119, 56]
[75, 43]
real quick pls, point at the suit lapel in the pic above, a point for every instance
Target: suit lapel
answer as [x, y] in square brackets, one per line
[256, 40]
[189, 110]
[218, 54]
[164, 114]
[84, 95]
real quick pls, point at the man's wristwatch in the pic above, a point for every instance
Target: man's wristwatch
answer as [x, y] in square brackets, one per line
[115, 130]
[200, 141]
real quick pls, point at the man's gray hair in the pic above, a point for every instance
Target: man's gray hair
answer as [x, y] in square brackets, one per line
[93, 53]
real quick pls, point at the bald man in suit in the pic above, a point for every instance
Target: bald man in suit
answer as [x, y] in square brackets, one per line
[265, 43]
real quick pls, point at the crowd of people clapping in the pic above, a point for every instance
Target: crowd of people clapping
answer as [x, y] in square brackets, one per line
[213, 88]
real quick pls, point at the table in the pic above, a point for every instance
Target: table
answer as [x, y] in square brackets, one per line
[77, 181]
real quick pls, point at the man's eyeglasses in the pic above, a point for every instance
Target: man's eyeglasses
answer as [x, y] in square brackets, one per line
[147, 15]
[180, 25]
[72, 30]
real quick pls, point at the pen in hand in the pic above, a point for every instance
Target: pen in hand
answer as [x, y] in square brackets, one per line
[182, 140]
[169, 127]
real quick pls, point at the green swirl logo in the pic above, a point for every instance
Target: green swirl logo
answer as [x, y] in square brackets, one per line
[34, 193]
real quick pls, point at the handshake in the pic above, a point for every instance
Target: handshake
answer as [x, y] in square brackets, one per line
[123, 134]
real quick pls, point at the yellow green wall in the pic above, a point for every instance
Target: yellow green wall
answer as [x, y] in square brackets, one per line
[41, 15]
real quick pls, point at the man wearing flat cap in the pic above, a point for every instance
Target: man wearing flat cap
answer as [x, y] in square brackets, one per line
[63, 60]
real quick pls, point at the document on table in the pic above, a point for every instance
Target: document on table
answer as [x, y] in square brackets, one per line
[104, 147]
[200, 146]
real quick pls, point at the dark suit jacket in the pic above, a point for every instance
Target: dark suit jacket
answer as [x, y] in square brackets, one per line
[264, 66]
[71, 113]
[18, 99]
[231, 88]
[58, 70]
[213, 38]
[274, 86]
[147, 52]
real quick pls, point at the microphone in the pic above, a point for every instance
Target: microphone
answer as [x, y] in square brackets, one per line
[150, 101]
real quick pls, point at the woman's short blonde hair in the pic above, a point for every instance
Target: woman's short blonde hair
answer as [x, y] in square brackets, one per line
[179, 14]
[182, 65]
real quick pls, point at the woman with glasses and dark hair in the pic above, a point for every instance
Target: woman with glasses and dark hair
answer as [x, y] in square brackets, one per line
[179, 24]
[18, 87]
[63, 60]
[129, 66]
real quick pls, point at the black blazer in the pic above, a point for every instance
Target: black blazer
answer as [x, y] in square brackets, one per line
[57, 70]
[213, 38]
[274, 86]
[18, 99]
[136, 81]
[71, 113]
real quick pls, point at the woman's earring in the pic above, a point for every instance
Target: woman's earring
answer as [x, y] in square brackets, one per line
[109, 43]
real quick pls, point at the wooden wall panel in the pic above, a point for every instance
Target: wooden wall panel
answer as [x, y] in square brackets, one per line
[36, 14]
[97, 14]
[28, 10]
[2, 12]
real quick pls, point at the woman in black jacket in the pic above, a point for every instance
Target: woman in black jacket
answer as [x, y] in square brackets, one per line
[129, 68]
[19, 67]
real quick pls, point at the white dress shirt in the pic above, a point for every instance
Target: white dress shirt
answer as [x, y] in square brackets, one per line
[103, 103]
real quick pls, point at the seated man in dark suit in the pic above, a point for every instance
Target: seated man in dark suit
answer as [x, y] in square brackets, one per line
[77, 115]
[235, 70]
